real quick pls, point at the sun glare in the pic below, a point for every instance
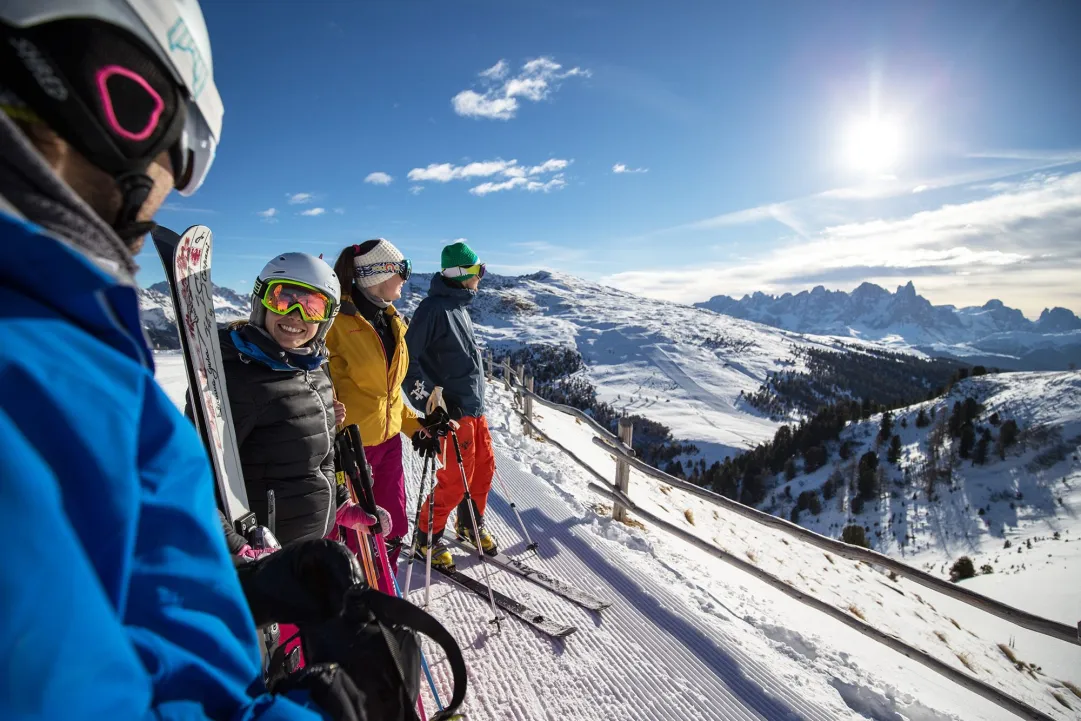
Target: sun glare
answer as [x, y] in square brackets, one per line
[872, 145]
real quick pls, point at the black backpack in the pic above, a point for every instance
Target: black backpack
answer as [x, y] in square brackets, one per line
[374, 640]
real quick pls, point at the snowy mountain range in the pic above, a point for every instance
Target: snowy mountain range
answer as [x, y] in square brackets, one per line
[993, 333]
[688, 368]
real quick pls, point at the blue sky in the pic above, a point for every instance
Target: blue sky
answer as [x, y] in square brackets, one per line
[778, 145]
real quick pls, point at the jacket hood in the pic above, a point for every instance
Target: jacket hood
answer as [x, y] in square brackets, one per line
[442, 288]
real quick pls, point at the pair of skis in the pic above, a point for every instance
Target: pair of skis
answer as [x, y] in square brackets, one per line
[516, 608]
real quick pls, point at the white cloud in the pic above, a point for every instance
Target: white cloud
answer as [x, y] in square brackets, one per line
[339, 211]
[379, 178]
[416, 189]
[497, 71]
[526, 177]
[1019, 245]
[499, 100]
[314, 211]
[620, 168]
[300, 198]
[532, 186]
[445, 172]
[268, 213]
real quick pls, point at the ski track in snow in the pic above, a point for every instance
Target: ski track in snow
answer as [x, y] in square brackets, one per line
[645, 657]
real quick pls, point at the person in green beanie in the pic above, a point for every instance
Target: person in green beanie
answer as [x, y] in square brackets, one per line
[443, 352]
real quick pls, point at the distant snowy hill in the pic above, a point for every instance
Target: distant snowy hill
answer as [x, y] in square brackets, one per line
[159, 318]
[685, 367]
[994, 333]
[1024, 496]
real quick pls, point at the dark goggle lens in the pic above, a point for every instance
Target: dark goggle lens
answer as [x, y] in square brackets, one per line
[406, 269]
[281, 298]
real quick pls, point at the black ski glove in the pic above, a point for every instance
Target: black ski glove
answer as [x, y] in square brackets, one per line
[437, 422]
[330, 688]
[424, 445]
[304, 582]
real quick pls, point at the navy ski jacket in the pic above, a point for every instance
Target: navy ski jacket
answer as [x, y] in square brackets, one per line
[443, 351]
[118, 599]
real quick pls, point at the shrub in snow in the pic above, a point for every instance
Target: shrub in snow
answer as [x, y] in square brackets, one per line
[855, 535]
[986, 569]
[962, 568]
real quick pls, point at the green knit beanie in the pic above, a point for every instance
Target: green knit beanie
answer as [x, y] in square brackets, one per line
[458, 255]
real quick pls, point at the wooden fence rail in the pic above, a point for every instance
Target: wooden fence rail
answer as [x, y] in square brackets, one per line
[624, 455]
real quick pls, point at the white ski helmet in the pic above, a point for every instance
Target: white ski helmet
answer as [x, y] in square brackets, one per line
[68, 86]
[300, 268]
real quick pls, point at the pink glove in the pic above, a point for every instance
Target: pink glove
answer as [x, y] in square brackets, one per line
[351, 515]
[253, 554]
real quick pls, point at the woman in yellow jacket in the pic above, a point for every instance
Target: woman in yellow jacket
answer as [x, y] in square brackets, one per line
[368, 362]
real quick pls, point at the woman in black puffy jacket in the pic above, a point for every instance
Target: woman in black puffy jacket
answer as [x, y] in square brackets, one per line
[281, 396]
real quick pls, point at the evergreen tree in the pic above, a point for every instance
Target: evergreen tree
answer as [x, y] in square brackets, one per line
[885, 430]
[957, 419]
[968, 440]
[1007, 436]
[790, 469]
[855, 535]
[922, 420]
[868, 476]
[979, 456]
[894, 453]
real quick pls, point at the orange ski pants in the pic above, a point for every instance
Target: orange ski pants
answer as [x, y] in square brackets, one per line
[478, 457]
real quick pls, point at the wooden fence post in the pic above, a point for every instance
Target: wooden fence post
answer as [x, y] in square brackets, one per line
[488, 363]
[528, 397]
[623, 469]
[506, 372]
[519, 384]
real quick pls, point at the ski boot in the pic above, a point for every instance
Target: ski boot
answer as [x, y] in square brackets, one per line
[441, 558]
[487, 541]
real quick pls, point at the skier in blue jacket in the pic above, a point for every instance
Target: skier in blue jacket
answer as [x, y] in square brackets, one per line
[118, 598]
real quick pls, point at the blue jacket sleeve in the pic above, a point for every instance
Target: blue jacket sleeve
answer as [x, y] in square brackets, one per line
[117, 597]
[423, 330]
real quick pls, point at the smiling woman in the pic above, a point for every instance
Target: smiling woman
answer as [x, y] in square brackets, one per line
[872, 144]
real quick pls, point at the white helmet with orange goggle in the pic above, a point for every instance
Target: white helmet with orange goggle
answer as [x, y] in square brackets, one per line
[297, 281]
[120, 80]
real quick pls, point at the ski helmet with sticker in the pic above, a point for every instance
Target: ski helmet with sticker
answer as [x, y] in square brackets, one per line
[121, 81]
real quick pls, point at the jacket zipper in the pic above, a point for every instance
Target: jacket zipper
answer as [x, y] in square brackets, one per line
[386, 360]
[332, 507]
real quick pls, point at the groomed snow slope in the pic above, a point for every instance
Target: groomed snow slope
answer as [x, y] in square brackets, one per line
[687, 637]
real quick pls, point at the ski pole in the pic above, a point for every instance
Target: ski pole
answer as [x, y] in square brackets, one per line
[428, 551]
[423, 665]
[531, 544]
[416, 525]
[272, 511]
[496, 618]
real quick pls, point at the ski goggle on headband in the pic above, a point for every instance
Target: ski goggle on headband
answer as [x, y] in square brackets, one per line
[403, 268]
[285, 296]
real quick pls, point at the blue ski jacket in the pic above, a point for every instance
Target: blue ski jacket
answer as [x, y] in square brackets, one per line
[118, 599]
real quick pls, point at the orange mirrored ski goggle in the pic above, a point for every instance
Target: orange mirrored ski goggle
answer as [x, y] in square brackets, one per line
[283, 296]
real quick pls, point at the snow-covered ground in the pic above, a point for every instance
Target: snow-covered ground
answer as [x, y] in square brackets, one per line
[689, 637]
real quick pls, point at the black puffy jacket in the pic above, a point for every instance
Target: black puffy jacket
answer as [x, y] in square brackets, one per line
[283, 412]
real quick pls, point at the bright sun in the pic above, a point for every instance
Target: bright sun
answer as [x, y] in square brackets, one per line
[872, 145]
